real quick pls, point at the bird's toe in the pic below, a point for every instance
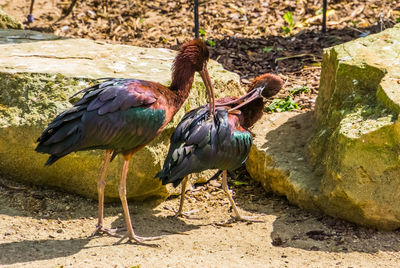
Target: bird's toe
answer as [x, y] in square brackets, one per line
[132, 238]
[246, 219]
[229, 222]
[188, 214]
[183, 214]
[102, 230]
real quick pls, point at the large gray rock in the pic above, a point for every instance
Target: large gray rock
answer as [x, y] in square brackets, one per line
[354, 152]
[13, 36]
[36, 80]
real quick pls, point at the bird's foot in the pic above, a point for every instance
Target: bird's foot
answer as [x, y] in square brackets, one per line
[102, 230]
[140, 240]
[245, 219]
[187, 214]
[184, 214]
[229, 222]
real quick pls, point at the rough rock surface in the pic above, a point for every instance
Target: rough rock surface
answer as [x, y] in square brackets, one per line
[355, 149]
[36, 81]
[277, 158]
[13, 36]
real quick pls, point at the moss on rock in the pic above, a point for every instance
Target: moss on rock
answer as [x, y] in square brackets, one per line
[357, 142]
[354, 152]
[8, 22]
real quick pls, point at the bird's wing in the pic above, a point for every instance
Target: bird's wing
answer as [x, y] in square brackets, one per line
[201, 142]
[116, 114]
[117, 94]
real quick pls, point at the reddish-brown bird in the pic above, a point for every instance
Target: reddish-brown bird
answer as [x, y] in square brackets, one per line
[222, 141]
[121, 116]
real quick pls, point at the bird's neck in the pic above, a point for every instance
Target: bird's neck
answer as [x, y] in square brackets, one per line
[182, 80]
[252, 112]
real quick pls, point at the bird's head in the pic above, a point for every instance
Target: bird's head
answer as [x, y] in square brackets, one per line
[251, 105]
[268, 85]
[194, 52]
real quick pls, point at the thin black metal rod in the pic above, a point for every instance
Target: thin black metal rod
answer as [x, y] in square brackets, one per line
[69, 10]
[31, 7]
[30, 17]
[324, 10]
[196, 18]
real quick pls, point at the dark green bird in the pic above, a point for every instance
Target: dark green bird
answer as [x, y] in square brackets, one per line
[222, 141]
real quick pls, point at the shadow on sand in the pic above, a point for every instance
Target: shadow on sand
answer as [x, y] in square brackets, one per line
[298, 228]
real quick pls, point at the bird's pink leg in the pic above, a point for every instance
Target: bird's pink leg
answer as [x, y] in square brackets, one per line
[183, 192]
[101, 183]
[237, 217]
[122, 194]
[180, 212]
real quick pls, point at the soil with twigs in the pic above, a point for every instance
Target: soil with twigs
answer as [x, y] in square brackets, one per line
[245, 36]
[43, 227]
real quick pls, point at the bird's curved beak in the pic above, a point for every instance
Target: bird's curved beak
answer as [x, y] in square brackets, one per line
[249, 97]
[209, 88]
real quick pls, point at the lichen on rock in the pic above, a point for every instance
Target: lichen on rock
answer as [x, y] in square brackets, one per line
[357, 143]
[9, 22]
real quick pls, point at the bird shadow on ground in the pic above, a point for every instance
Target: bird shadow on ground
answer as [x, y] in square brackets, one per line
[312, 231]
[35, 250]
[46, 249]
[147, 223]
[299, 228]
[28, 221]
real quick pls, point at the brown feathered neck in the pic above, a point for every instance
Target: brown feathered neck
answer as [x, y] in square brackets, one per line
[190, 59]
[252, 112]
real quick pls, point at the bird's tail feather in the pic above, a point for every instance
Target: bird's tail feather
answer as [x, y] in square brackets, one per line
[51, 160]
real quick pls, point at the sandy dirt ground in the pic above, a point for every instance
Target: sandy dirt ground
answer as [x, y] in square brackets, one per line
[41, 227]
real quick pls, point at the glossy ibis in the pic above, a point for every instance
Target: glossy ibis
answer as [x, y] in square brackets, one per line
[222, 141]
[121, 116]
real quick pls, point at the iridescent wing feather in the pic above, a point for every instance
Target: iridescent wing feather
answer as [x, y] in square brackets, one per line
[201, 142]
[115, 114]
